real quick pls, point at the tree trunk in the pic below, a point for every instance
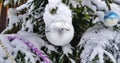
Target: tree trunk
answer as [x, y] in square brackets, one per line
[0, 7]
[3, 16]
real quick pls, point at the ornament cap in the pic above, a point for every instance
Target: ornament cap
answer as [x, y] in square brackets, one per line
[111, 15]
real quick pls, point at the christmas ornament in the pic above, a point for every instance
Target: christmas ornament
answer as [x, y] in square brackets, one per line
[111, 19]
[33, 48]
[58, 23]
[7, 53]
[59, 33]
[57, 11]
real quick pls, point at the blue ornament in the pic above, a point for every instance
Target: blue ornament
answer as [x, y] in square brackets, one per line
[111, 15]
[111, 19]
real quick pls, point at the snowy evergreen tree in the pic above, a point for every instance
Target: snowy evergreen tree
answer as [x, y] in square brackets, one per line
[83, 31]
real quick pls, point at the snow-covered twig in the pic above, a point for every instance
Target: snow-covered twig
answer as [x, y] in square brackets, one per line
[7, 53]
[31, 46]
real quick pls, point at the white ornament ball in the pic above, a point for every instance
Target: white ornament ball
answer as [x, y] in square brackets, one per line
[59, 33]
[111, 19]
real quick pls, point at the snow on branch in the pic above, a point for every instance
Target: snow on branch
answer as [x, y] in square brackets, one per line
[26, 5]
[99, 41]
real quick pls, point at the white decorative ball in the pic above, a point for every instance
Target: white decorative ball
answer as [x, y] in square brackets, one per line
[111, 19]
[59, 33]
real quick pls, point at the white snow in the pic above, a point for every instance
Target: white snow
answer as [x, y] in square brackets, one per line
[100, 8]
[32, 37]
[29, 56]
[6, 2]
[74, 3]
[67, 49]
[117, 1]
[72, 61]
[89, 4]
[98, 40]
[29, 25]
[50, 48]
[13, 19]
[17, 45]
[54, 1]
[63, 12]
[100, 15]
[115, 8]
[23, 6]
[101, 5]
[6, 44]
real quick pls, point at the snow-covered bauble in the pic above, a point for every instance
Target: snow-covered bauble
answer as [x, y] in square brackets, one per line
[59, 33]
[61, 13]
[58, 23]
[111, 19]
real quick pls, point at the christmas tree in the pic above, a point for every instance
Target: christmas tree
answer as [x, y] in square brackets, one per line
[60, 31]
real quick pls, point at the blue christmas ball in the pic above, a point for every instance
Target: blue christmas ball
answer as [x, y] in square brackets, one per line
[111, 19]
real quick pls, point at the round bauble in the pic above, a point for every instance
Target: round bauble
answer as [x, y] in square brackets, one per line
[59, 33]
[111, 19]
